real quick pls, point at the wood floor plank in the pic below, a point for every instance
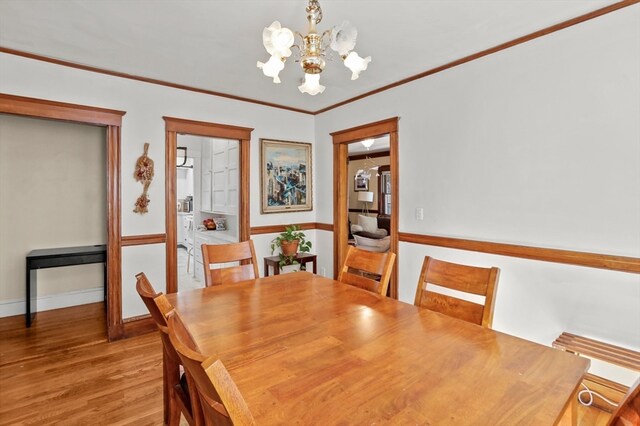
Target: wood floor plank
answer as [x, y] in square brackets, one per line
[52, 331]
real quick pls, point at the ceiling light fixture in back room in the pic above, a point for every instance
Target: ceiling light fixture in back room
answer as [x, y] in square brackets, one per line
[312, 50]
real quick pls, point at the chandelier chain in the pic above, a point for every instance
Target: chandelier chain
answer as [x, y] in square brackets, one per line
[314, 11]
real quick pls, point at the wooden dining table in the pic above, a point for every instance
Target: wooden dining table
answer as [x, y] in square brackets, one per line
[305, 349]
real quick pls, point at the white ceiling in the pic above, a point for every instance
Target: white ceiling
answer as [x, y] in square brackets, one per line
[383, 143]
[214, 44]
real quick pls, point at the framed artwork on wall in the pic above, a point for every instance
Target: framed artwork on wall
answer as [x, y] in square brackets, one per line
[285, 176]
[361, 183]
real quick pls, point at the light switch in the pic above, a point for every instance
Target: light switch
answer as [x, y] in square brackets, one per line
[419, 213]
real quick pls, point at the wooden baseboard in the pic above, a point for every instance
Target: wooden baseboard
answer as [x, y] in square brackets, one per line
[138, 326]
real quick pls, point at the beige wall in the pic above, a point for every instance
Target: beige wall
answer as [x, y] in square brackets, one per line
[52, 194]
[354, 166]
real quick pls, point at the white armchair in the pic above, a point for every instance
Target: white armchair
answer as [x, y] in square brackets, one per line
[368, 224]
[368, 236]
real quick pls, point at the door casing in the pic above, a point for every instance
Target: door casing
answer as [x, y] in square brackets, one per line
[341, 139]
[173, 127]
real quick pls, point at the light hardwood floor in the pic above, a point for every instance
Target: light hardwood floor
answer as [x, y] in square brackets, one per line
[63, 371]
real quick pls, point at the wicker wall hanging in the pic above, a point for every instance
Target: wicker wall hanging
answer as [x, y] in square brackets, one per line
[144, 174]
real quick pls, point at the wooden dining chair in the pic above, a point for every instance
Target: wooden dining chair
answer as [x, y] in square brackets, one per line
[463, 278]
[242, 252]
[367, 269]
[628, 412]
[220, 398]
[178, 396]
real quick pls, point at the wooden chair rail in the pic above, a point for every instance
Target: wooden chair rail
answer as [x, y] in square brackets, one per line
[603, 351]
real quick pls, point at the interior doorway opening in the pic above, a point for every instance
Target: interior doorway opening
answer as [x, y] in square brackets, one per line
[207, 183]
[217, 211]
[359, 180]
[111, 122]
[47, 209]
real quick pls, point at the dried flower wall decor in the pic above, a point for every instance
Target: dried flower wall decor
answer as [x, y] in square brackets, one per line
[144, 174]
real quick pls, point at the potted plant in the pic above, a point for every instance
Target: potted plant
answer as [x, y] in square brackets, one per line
[290, 242]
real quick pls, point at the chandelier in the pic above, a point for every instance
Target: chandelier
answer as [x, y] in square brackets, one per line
[312, 50]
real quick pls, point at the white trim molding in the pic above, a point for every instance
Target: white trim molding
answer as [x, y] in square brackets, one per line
[53, 301]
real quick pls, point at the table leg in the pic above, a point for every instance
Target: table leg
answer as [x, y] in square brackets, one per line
[266, 268]
[315, 266]
[106, 285]
[276, 268]
[570, 415]
[32, 295]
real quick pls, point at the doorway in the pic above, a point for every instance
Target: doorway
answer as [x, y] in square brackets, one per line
[343, 181]
[111, 121]
[207, 192]
[223, 153]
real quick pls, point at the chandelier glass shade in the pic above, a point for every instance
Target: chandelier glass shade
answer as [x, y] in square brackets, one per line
[312, 51]
[367, 143]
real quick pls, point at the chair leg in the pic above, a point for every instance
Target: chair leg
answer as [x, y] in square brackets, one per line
[189, 253]
[166, 392]
[174, 410]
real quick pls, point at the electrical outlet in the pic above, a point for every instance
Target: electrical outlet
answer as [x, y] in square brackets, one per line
[419, 213]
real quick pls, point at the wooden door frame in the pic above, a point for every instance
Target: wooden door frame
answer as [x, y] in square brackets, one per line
[173, 127]
[111, 120]
[341, 139]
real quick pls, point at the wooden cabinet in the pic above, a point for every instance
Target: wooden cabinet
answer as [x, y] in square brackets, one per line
[206, 177]
[180, 234]
[220, 176]
[185, 230]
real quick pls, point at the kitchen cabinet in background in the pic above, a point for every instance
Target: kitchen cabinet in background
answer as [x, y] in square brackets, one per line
[220, 177]
[209, 237]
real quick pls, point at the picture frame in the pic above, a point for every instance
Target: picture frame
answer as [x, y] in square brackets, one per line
[360, 183]
[285, 176]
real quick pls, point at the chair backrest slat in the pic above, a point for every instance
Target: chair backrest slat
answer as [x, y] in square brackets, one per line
[221, 400]
[463, 278]
[368, 270]
[454, 307]
[360, 281]
[232, 274]
[468, 279]
[243, 252]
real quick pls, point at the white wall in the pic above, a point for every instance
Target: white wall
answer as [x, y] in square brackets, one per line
[145, 105]
[537, 145]
[52, 194]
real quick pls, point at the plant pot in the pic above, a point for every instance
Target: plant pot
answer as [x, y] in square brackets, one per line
[289, 248]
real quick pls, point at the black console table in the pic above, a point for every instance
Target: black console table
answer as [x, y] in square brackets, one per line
[56, 257]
